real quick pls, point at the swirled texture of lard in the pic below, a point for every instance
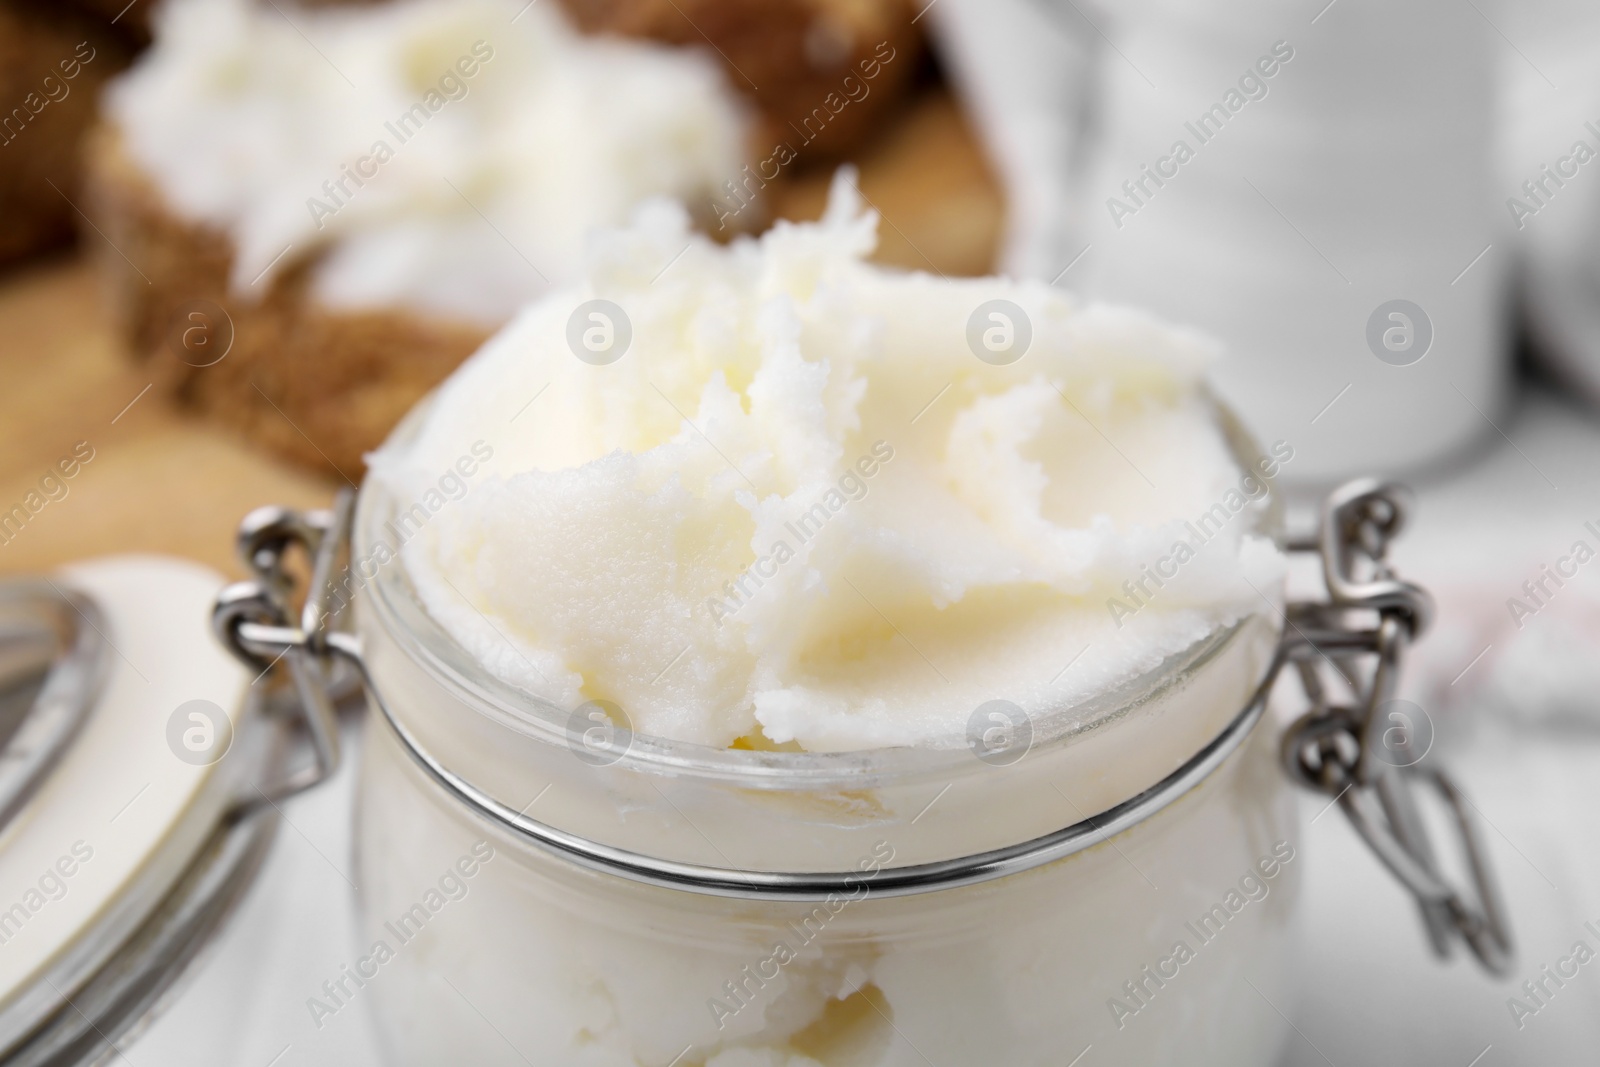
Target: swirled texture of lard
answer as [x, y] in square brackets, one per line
[799, 511]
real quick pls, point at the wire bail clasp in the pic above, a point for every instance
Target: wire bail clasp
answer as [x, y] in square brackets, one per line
[1355, 753]
[257, 622]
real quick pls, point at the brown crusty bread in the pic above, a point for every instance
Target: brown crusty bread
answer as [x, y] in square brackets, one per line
[321, 387]
[41, 138]
[133, 19]
[318, 386]
[43, 116]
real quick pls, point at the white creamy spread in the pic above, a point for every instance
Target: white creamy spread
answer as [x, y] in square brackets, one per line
[799, 510]
[448, 156]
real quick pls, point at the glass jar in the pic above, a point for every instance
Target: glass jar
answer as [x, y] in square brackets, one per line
[1176, 881]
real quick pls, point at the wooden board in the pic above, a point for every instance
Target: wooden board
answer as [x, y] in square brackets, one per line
[940, 206]
[158, 482]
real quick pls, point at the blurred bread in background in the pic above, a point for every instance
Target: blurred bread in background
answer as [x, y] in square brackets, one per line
[315, 385]
[129, 19]
[791, 57]
[313, 340]
[53, 60]
[303, 262]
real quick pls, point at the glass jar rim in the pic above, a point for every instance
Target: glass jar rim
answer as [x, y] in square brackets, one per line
[390, 600]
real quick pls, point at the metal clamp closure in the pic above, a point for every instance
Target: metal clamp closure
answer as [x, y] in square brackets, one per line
[257, 622]
[1362, 755]
[1354, 639]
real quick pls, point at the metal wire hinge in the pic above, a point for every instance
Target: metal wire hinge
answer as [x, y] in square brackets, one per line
[256, 620]
[1363, 753]
[1354, 639]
